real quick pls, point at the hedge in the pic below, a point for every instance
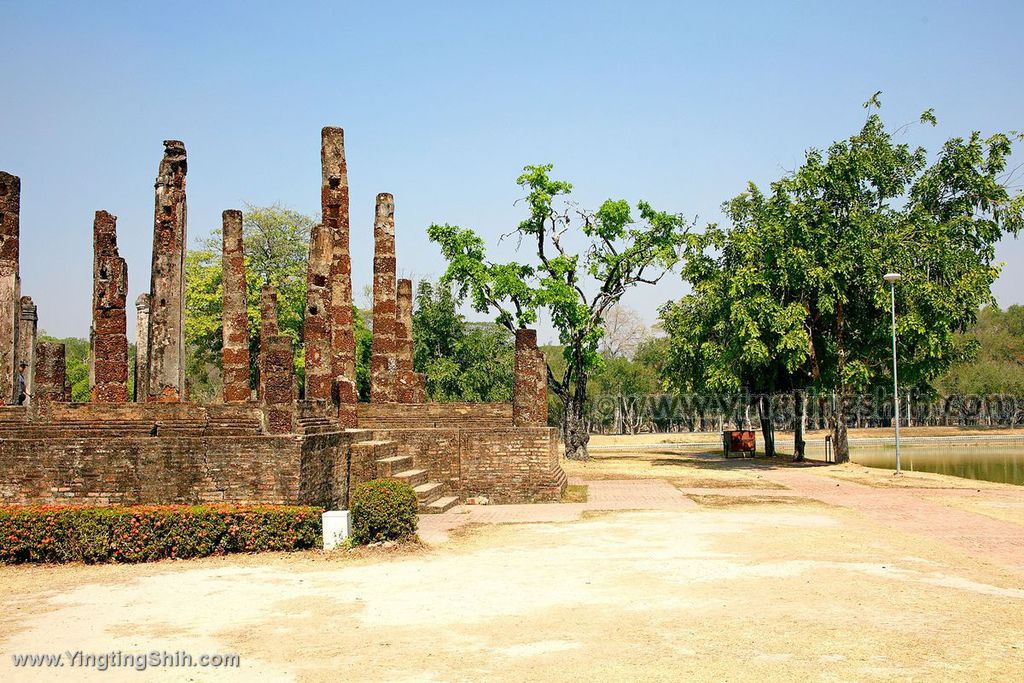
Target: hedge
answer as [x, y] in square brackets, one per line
[382, 510]
[144, 533]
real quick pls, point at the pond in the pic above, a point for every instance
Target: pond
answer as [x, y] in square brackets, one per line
[986, 461]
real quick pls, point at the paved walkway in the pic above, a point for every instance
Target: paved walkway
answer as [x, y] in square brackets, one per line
[630, 494]
[911, 510]
[918, 511]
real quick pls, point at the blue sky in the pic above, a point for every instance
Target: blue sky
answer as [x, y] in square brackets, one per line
[676, 103]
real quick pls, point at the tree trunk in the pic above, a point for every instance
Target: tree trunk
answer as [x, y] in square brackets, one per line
[800, 406]
[840, 443]
[575, 431]
[767, 425]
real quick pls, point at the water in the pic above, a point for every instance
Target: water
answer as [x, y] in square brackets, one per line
[989, 462]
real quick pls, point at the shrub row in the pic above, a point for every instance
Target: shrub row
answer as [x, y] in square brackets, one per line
[382, 510]
[145, 533]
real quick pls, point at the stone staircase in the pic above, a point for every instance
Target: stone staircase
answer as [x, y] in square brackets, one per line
[315, 425]
[432, 496]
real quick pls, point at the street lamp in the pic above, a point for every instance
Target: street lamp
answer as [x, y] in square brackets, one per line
[892, 278]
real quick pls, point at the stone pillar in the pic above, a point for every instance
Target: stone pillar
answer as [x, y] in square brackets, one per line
[268, 312]
[316, 324]
[334, 207]
[529, 398]
[142, 348]
[235, 315]
[109, 322]
[167, 287]
[411, 385]
[268, 329]
[50, 377]
[383, 358]
[277, 390]
[10, 282]
[26, 353]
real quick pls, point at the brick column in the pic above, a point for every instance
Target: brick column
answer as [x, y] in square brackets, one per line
[411, 385]
[109, 322]
[10, 282]
[26, 353]
[167, 305]
[529, 398]
[383, 357]
[316, 325]
[268, 329]
[334, 208]
[50, 377]
[235, 314]
[141, 348]
[277, 391]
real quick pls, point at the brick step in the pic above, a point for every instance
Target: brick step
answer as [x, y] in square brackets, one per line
[412, 477]
[388, 467]
[429, 492]
[440, 505]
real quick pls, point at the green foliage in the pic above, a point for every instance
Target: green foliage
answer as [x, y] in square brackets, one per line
[995, 345]
[145, 533]
[622, 250]
[382, 510]
[462, 361]
[790, 294]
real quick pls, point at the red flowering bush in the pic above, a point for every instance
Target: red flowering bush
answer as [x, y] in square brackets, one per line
[143, 533]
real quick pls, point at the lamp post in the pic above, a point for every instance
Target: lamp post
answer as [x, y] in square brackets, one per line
[892, 278]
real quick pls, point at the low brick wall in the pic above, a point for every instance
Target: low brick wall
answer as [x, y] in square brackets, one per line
[508, 465]
[100, 471]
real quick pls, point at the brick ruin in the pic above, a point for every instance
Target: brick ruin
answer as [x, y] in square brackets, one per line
[279, 443]
[108, 339]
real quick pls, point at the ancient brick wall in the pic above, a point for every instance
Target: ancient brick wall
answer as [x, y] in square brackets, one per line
[316, 331]
[508, 465]
[103, 471]
[109, 357]
[530, 398]
[50, 377]
[10, 283]
[383, 359]
[334, 208]
[28, 324]
[141, 387]
[324, 476]
[277, 384]
[513, 466]
[167, 285]
[422, 415]
[235, 314]
[411, 385]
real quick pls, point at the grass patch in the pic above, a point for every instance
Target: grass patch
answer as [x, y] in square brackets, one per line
[575, 493]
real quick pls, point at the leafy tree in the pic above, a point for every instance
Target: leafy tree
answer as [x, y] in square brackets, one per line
[995, 346]
[576, 289]
[462, 361]
[791, 293]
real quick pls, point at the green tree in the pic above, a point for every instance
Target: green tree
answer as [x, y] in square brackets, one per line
[791, 292]
[576, 289]
[462, 361]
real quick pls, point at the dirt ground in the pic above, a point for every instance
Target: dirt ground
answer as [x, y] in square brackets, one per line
[753, 583]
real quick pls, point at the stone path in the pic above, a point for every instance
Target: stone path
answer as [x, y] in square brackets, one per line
[921, 512]
[630, 494]
[911, 510]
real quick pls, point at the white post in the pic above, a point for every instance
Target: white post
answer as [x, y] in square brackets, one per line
[895, 377]
[336, 528]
